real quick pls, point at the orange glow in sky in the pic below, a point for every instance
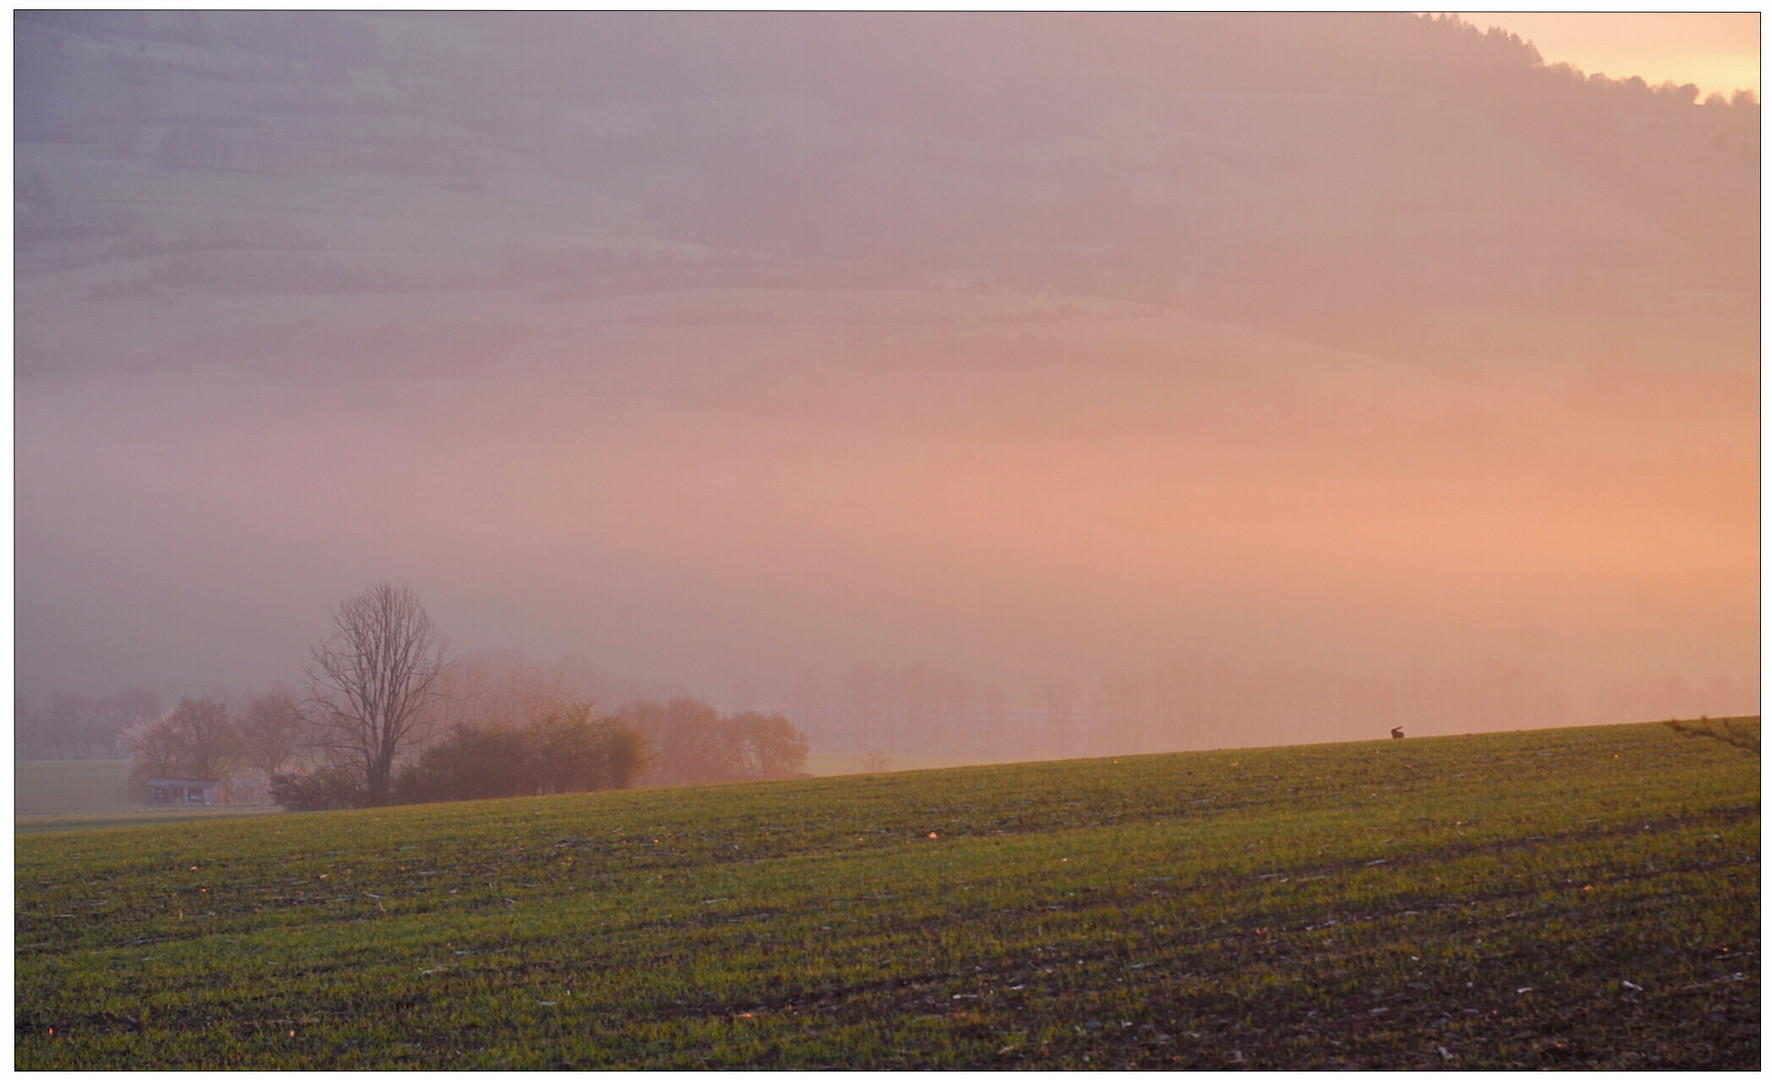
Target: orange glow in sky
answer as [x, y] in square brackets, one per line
[1718, 52]
[1053, 385]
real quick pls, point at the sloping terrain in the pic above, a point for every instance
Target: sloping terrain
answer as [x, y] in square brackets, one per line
[1583, 897]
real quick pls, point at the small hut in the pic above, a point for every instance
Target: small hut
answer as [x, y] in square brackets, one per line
[174, 792]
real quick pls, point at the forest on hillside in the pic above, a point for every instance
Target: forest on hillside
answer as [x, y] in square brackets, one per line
[1335, 167]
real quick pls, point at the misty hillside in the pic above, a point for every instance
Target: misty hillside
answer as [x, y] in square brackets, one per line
[744, 353]
[1303, 171]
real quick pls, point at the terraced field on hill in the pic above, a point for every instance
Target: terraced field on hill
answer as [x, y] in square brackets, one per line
[1574, 897]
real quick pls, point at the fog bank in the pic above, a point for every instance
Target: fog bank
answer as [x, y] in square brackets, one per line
[1087, 399]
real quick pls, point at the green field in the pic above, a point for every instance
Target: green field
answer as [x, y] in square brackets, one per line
[1560, 898]
[71, 787]
[58, 796]
[850, 764]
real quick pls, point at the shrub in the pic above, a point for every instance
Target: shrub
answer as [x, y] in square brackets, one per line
[566, 750]
[766, 746]
[469, 763]
[693, 744]
[325, 789]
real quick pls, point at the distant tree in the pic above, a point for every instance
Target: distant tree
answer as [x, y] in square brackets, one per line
[572, 751]
[273, 730]
[27, 731]
[624, 752]
[690, 743]
[686, 737]
[196, 740]
[69, 724]
[371, 681]
[766, 746]
[496, 688]
[206, 734]
[807, 696]
[123, 710]
[561, 755]
[489, 762]
[151, 751]
[77, 726]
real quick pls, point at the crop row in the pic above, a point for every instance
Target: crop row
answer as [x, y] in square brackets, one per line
[1586, 896]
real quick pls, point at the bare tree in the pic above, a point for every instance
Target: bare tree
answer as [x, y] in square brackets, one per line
[372, 679]
[152, 751]
[491, 688]
[195, 740]
[207, 735]
[686, 737]
[273, 730]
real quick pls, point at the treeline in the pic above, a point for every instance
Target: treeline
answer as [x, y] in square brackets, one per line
[79, 725]
[708, 748]
[497, 727]
[1042, 187]
[204, 738]
[567, 750]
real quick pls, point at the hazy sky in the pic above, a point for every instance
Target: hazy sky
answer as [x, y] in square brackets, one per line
[1216, 377]
[1720, 52]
